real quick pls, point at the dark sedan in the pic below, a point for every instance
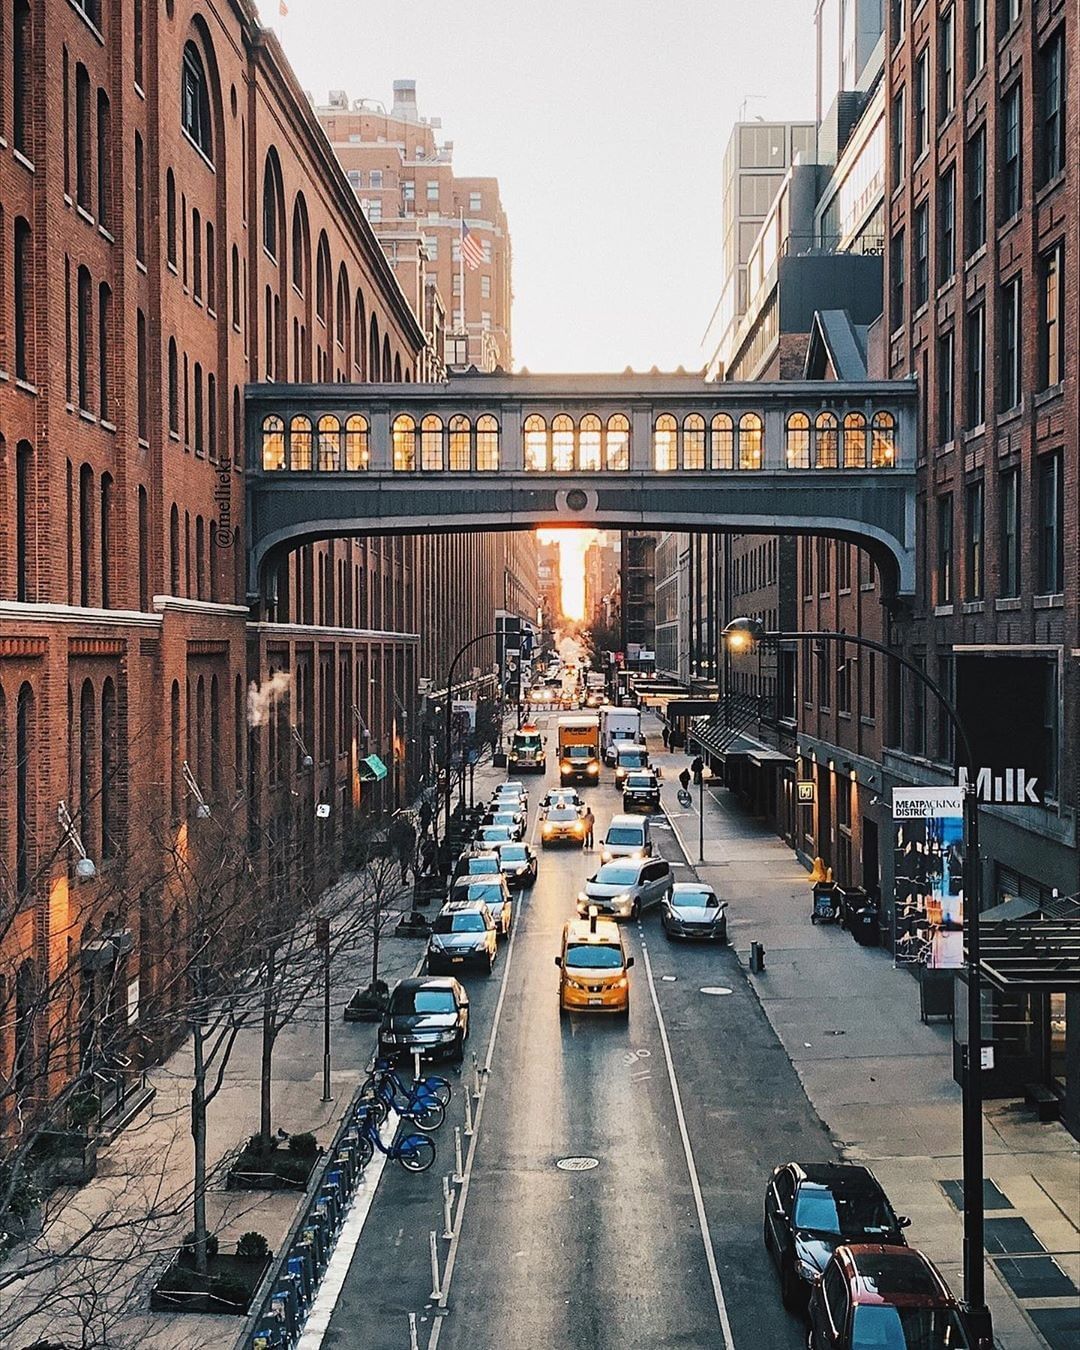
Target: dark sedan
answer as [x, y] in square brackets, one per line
[518, 863]
[429, 1015]
[641, 791]
[813, 1208]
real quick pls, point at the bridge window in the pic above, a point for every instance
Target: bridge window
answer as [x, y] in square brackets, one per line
[404, 437]
[750, 438]
[693, 454]
[883, 440]
[329, 443]
[487, 443]
[536, 444]
[357, 442]
[273, 443]
[618, 442]
[562, 443]
[460, 444]
[431, 443]
[665, 443]
[855, 441]
[300, 443]
[589, 443]
[825, 441]
[798, 441]
[723, 442]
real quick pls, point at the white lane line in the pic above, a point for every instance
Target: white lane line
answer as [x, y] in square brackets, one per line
[695, 1184]
[459, 1212]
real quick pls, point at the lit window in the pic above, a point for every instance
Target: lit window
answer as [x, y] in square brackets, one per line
[357, 450]
[404, 439]
[300, 443]
[460, 444]
[431, 443]
[273, 443]
[825, 441]
[536, 444]
[798, 441]
[487, 443]
[589, 442]
[693, 456]
[665, 452]
[883, 440]
[723, 442]
[618, 442]
[329, 443]
[562, 443]
[855, 441]
[750, 441]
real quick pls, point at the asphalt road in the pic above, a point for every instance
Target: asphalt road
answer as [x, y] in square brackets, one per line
[685, 1109]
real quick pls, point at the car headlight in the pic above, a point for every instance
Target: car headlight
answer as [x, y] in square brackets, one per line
[446, 1035]
[621, 983]
[594, 768]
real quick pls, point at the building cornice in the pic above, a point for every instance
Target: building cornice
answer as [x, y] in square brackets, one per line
[208, 608]
[310, 632]
[12, 611]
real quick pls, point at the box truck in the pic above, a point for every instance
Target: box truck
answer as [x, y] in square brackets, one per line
[617, 724]
[579, 749]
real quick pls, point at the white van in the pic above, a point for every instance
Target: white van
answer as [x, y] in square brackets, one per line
[627, 837]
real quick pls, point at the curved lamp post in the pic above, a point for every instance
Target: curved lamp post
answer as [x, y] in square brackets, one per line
[742, 635]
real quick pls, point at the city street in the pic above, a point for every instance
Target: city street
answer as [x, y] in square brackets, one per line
[685, 1111]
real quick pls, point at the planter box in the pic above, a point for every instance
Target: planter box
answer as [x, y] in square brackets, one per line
[260, 1172]
[184, 1291]
[365, 1007]
[66, 1157]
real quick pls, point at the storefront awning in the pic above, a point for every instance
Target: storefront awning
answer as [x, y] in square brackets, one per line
[1031, 954]
[776, 758]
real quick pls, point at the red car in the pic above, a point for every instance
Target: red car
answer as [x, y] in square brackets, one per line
[873, 1297]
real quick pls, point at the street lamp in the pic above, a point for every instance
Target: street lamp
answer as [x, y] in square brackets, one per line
[742, 635]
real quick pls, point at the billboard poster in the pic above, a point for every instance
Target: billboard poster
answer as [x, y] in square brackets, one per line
[929, 900]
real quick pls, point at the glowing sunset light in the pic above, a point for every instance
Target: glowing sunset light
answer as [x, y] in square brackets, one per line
[573, 545]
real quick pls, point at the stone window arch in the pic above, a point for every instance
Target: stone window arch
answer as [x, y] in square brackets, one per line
[562, 443]
[617, 442]
[404, 440]
[855, 441]
[537, 450]
[487, 443]
[460, 443]
[751, 441]
[826, 441]
[589, 436]
[329, 429]
[431, 443]
[693, 448]
[300, 443]
[797, 441]
[722, 435]
[357, 442]
[273, 443]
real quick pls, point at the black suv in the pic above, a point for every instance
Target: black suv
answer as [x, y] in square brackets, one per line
[641, 791]
[813, 1208]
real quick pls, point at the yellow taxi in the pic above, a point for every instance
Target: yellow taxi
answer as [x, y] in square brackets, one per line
[593, 965]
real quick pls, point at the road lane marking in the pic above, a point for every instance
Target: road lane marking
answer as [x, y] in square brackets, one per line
[695, 1184]
[459, 1212]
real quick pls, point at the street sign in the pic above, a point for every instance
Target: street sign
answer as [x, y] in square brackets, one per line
[805, 792]
[322, 811]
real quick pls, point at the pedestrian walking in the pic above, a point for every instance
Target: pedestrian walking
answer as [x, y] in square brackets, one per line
[684, 780]
[697, 765]
[589, 821]
[666, 735]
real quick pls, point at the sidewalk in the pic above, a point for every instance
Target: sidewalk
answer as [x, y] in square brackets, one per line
[102, 1296]
[881, 1080]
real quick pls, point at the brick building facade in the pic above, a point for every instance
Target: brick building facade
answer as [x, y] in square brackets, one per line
[174, 225]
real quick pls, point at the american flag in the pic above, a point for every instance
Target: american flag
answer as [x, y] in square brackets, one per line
[471, 252]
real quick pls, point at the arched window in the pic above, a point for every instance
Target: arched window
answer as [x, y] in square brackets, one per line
[299, 245]
[142, 377]
[797, 441]
[357, 449]
[105, 528]
[403, 434]
[195, 101]
[25, 512]
[235, 288]
[487, 443]
[86, 533]
[174, 389]
[825, 441]
[329, 443]
[84, 306]
[144, 550]
[589, 443]
[387, 363]
[460, 443]
[215, 736]
[750, 441]
[22, 49]
[175, 760]
[25, 746]
[665, 446]
[359, 330]
[237, 429]
[108, 769]
[211, 269]
[397, 368]
[140, 200]
[855, 441]
[617, 447]
[536, 444]
[374, 369]
[104, 162]
[723, 442]
[270, 208]
[87, 753]
[562, 443]
[24, 300]
[83, 151]
[200, 560]
[104, 326]
[170, 218]
[693, 453]
[322, 279]
[342, 308]
[431, 443]
[300, 443]
[883, 440]
[273, 443]
[174, 551]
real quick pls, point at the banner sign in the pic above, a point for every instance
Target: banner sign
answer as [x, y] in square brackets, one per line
[929, 869]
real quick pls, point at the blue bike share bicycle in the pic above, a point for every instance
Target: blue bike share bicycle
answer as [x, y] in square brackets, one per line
[430, 1085]
[415, 1152]
[419, 1106]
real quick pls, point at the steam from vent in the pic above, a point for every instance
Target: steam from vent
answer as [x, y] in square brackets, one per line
[261, 697]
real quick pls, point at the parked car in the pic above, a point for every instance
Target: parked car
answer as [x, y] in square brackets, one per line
[512, 790]
[477, 863]
[624, 887]
[694, 910]
[562, 824]
[488, 836]
[518, 864]
[594, 968]
[515, 821]
[629, 755]
[430, 1015]
[641, 791]
[493, 892]
[813, 1208]
[893, 1297]
[463, 933]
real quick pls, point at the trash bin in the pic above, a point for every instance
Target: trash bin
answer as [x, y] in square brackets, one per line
[865, 925]
[826, 906]
[850, 900]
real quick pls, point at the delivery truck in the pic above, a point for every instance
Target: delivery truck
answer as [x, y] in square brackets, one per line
[579, 749]
[617, 724]
[527, 750]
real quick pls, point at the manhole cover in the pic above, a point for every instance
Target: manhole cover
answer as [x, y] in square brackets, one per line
[578, 1164]
[715, 989]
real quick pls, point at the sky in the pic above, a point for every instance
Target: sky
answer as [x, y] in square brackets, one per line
[605, 124]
